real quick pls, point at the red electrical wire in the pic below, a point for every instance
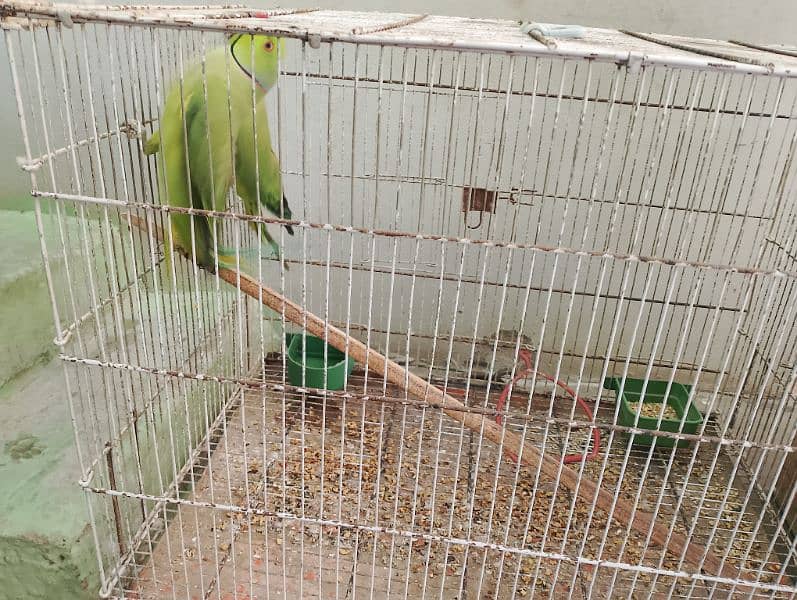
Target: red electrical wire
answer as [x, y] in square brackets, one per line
[525, 356]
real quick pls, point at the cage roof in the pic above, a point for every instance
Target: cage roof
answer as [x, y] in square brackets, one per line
[634, 49]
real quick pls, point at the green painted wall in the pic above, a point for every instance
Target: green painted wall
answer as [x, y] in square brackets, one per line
[44, 568]
[46, 550]
[25, 309]
[46, 545]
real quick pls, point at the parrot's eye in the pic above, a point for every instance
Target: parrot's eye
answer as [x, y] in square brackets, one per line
[268, 46]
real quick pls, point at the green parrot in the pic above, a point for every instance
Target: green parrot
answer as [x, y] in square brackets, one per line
[209, 134]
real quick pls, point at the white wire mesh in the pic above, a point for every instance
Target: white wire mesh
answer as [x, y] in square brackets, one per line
[632, 223]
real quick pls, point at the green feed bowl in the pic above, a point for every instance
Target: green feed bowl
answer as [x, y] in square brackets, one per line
[675, 395]
[310, 369]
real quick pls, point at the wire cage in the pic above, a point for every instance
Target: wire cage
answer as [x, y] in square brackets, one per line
[515, 219]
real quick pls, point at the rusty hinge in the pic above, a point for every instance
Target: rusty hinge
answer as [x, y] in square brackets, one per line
[479, 200]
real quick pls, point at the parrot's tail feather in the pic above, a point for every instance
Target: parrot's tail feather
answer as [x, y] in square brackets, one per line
[286, 214]
[231, 257]
[167, 282]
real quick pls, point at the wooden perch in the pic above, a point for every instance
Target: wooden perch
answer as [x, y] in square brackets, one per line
[586, 489]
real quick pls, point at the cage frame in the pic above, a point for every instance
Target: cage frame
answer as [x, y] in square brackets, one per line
[383, 30]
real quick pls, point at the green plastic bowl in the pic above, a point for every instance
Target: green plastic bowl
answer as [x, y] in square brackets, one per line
[311, 370]
[678, 398]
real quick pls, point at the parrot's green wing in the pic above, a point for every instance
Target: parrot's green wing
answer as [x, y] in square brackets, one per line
[257, 173]
[177, 187]
[210, 155]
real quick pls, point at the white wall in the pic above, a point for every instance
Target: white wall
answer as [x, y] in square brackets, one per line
[771, 21]
[553, 145]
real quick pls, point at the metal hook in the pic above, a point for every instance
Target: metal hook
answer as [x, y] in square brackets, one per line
[481, 219]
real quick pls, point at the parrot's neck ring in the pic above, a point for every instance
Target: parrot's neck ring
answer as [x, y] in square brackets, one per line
[240, 66]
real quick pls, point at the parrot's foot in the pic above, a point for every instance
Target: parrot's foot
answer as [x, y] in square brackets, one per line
[274, 246]
[275, 250]
[152, 143]
[232, 257]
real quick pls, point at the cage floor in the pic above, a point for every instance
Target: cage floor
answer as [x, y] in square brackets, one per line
[337, 487]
